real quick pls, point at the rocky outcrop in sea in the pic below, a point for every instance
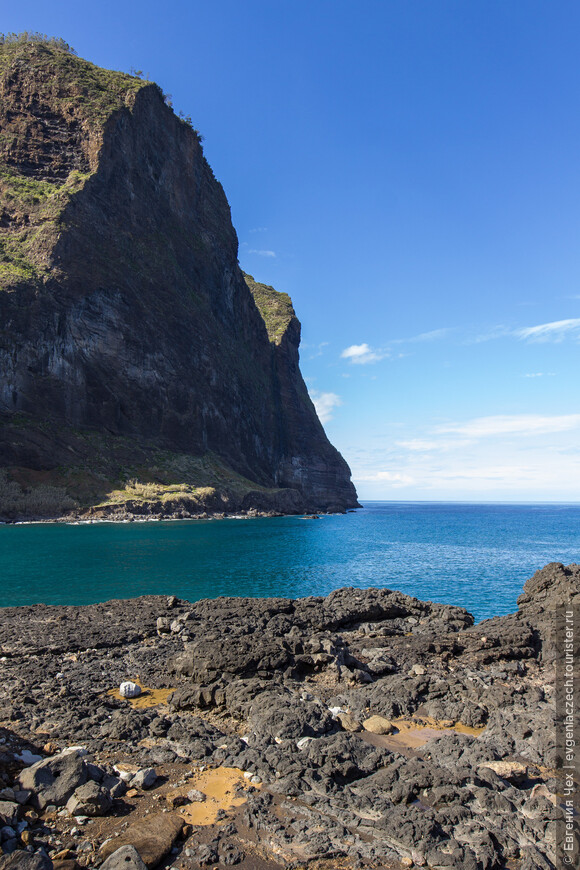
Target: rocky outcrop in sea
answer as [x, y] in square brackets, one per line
[364, 729]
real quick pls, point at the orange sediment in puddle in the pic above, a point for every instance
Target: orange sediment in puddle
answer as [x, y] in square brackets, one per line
[413, 734]
[467, 729]
[222, 789]
[147, 698]
[437, 725]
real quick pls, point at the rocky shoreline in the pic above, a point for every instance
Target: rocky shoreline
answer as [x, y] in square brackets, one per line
[89, 517]
[214, 505]
[364, 729]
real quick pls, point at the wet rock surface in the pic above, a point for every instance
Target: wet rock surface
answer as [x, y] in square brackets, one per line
[364, 729]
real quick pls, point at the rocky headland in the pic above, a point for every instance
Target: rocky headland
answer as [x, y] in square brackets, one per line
[364, 729]
[141, 372]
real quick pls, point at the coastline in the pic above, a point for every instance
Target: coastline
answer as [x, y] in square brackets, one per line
[210, 504]
[83, 519]
[431, 551]
[369, 727]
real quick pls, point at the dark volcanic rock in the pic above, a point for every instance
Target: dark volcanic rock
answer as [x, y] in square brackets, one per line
[53, 781]
[132, 329]
[464, 778]
[25, 861]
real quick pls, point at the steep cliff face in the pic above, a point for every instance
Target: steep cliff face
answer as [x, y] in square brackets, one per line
[295, 417]
[123, 311]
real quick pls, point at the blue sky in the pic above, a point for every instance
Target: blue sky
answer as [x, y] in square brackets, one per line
[408, 172]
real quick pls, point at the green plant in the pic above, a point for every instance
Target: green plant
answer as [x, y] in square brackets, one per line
[35, 38]
[42, 501]
[275, 307]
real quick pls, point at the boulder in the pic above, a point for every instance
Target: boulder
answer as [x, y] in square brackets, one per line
[20, 860]
[152, 837]
[54, 780]
[144, 778]
[513, 771]
[378, 725]
[125, 858]
[348, 722]
[8, 812]
[115, 785]
[89, 799]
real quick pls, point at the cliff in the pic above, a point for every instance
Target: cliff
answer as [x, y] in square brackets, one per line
[139, 371]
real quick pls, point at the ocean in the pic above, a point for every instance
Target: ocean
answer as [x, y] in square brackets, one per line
[474, 555]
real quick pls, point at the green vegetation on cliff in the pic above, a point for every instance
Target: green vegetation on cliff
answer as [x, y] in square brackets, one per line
[47, 91]
[70, 81]
[275, 307]
[33, 208]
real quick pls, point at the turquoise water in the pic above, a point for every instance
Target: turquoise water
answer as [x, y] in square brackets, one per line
[477, 556]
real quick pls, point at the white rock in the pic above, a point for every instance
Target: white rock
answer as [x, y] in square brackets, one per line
[126, 775]
[144, 778]
[129, 689]
[27, 757]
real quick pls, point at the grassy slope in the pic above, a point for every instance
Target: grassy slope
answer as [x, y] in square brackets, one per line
[72, 87]
[275, 307]
[88, 90]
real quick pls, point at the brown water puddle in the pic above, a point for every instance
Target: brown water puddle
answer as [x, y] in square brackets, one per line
[221, 787]
[147, 698]
[415, 733]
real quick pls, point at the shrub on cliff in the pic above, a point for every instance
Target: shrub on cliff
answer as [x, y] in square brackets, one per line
[32, 36]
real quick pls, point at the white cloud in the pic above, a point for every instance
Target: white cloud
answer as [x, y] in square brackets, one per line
[496, 332]
[421, 445]
[557, 330]
[431, 336]
[418, 444]
[362, 354]
[528, 457]
[325, 403]
[489, 471]
[392, 477]
[518, 424]
[259, 229]
[539, 375]
[262, 253]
